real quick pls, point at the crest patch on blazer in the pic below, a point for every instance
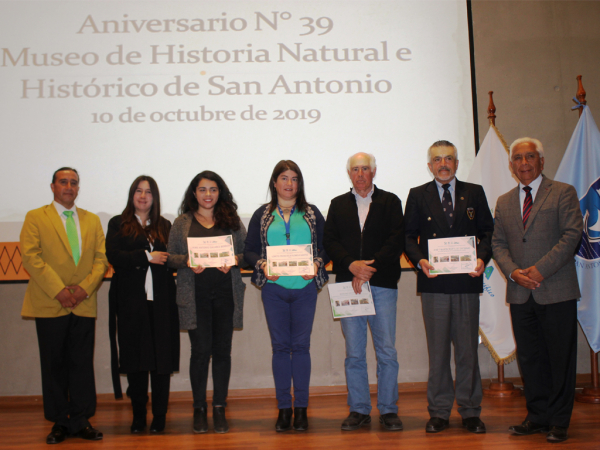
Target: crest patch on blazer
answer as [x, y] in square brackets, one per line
[471, 213]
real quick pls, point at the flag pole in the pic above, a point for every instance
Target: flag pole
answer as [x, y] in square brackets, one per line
[590, 394]
[500, 388]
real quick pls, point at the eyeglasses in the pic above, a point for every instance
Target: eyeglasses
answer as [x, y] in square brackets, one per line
[529, 157]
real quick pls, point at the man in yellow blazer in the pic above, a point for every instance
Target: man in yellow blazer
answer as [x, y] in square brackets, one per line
[63, 251]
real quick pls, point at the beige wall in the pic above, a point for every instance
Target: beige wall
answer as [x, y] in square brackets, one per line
[529, 54]
[251, 355]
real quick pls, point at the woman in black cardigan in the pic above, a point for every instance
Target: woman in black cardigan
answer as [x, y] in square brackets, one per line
[142, 307]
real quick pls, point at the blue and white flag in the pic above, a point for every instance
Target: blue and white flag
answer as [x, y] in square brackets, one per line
[580, 167]
[490, 170]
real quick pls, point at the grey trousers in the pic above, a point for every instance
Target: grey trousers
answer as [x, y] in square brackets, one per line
[452, 318]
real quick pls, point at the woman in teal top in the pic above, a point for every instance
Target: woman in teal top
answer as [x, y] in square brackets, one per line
[289, 301]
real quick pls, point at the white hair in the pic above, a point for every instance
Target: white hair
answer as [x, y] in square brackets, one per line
[441, 144]
[372, 161]
[527, 140]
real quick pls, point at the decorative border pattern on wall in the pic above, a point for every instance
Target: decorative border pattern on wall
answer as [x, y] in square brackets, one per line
[11, 265]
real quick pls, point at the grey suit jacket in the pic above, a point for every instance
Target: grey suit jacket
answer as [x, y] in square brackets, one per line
[549, 243]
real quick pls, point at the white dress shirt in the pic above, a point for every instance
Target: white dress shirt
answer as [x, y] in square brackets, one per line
[149, 287]
[363, 204]
[61, 209]
[452, 190]
[535, 186]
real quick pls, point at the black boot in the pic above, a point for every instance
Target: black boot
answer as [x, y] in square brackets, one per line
[284, 421]
[158, 424]
[138, 425]
[300, 419]
[200, 421]
[219, 420]
[137, 392]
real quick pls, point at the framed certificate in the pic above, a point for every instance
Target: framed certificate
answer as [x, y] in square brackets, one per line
[216, 251]
[346, 303]
[453, 255]
[290, 260]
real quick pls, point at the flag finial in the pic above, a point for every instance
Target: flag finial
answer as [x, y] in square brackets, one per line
[492, 109]
[580, 95]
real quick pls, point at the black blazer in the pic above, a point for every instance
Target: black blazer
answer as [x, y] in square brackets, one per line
[128, 308]
[382, 238]
[425, 219]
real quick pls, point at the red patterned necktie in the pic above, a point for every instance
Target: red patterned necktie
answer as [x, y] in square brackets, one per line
[527, 204]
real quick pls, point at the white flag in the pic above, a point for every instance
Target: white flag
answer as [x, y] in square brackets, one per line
[490, 170]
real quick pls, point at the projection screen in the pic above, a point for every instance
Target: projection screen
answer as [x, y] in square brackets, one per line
[122, 88]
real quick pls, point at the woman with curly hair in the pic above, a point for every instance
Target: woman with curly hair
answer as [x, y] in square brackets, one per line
[210, 300]
[142, 304]
[290, 302]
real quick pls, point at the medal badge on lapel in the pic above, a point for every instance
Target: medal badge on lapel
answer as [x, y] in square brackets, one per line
[471, 213]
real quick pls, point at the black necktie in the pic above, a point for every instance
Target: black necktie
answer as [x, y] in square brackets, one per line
[527, 204]
[447, 205]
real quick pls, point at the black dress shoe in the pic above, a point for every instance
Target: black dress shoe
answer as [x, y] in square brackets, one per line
[138, 425]
[436, 424]
[527, 428]
[284, 420]
[474, 425]
[300, 419]
[89, 434]
[391, 422]
[57, 435]
[557, 434]
[158, 424]
[355, 420]
[219, 420]
[200, 420]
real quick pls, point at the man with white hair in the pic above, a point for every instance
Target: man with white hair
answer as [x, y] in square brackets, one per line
[537, 232]
[364, 237]
[446, 208]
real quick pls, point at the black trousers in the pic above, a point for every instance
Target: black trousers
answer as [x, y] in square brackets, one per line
[67, 360]
[546, 337]
[138, 392]
[212, 337]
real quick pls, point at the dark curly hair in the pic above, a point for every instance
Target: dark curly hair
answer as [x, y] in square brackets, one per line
[130, 226]
[281, 167]
[225, 213]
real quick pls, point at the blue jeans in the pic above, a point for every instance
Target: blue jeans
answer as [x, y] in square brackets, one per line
[290, 314]
[383, 329]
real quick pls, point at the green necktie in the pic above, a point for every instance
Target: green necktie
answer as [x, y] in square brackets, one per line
[72, 235]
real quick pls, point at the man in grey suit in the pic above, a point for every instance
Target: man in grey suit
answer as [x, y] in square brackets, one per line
[537, 231]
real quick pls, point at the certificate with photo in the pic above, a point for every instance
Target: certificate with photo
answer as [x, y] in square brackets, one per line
[346, 303]
[290, 260]
[216, 251]
[453, 255]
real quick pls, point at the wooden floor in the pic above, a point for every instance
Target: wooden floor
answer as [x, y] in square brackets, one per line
[252, 421]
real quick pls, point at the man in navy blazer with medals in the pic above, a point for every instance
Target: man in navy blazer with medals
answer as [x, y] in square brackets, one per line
[447, 207]
[538, 231]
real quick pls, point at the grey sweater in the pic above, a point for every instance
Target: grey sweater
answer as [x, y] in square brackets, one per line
[186, 291]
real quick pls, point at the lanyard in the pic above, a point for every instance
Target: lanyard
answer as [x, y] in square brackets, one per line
[287, 224]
